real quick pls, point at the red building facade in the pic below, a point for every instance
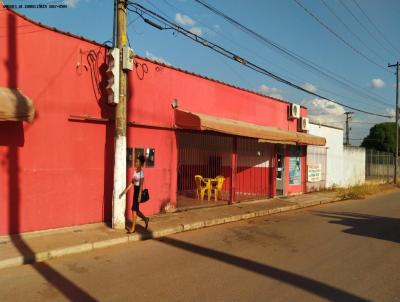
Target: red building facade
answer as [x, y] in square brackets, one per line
[58, 170]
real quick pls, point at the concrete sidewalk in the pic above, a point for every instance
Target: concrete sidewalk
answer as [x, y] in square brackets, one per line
[40, 246]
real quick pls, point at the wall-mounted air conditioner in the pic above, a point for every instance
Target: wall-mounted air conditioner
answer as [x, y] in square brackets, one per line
[304, 124]
[294, 111]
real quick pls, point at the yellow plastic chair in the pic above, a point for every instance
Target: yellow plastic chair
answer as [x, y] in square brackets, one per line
[202, 186]
[218, 186]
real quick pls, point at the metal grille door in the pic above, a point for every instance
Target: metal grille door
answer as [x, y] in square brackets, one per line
[207, 155]
[317, 156]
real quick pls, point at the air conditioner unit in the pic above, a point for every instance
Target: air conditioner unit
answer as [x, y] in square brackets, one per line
[304, 124]
[294, 111]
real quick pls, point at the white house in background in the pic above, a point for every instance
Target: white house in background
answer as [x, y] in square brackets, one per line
[345, 165]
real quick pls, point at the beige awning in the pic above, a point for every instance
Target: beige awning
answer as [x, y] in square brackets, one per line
[260, 140]
[14, 106]
[308, 139]
[199, 121]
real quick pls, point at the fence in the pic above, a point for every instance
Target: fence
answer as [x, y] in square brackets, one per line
[206, 155]
[379, 165]
[210, 155]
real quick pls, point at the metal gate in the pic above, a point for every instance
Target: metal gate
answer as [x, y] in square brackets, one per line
[317, 155]
[210, 157]
[207, 155]
[254, 172]
[379, 165]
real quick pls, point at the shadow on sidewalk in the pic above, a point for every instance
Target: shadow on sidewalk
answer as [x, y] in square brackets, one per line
[384, 228]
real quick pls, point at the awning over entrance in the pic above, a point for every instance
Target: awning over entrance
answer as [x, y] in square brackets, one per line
[199, 121]
[14, 106]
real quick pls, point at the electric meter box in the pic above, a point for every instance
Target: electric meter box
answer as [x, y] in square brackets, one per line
[127, 58]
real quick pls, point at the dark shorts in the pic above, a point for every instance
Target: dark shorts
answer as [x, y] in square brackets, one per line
[135, 204]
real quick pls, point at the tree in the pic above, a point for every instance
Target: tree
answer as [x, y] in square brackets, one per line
[381, 137]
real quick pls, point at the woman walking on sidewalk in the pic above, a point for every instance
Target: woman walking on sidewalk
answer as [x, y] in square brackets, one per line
[137, 183]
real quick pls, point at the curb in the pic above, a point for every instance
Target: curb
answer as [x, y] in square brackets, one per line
[85, 247]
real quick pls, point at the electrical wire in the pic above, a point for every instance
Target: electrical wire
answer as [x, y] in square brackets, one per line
[309, 65]
[339, 37]
[375, 26]
[141, 11]
[225, 37]
[231, 55]
[350, 30]
[364, 27]
[298, 80]
[233, 43]
[353, 122]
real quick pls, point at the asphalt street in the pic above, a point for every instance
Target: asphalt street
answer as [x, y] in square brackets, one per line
[344, 251]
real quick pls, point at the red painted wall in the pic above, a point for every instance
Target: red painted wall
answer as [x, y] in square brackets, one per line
[56, 172]
[161, 180]
[53, 172]
[154, 91]
[254, 181]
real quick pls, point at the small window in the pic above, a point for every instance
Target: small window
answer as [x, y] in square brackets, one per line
[138, 152]
[150, 157]
[279, 167]
[129, 157]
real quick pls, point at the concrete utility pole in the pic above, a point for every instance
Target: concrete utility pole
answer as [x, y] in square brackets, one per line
[118, 213]
[115, 16]
[348, 117]
[396, 156]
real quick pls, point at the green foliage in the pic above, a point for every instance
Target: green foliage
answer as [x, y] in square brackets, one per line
[381, 137]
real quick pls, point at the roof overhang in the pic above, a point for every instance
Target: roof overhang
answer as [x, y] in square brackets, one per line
[201, 122]
[14, 106]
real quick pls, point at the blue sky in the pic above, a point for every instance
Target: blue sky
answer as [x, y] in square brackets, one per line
[282, 21]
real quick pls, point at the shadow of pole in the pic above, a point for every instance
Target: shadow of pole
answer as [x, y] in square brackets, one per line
[97, 63]
[66, 287]
[310, 285]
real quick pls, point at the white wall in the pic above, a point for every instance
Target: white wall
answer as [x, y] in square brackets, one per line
[353, 165]
[345, 166]
[334, 143]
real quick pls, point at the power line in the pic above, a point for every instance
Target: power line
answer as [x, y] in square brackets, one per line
[297, 58]
[299, 81]
[375, 26]
[350, 30]
[339, 37]
[230, 40]
[363, 26]
[224, 36]
[353, 122]
[141, 11]
[349, 116]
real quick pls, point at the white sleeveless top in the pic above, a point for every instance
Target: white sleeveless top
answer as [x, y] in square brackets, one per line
[137, 176]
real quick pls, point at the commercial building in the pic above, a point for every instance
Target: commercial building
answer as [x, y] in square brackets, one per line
[57, 170]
